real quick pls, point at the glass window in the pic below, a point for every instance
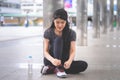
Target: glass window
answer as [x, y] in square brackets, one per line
[10, 5]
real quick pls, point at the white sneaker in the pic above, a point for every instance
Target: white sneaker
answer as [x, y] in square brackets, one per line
[60, 73]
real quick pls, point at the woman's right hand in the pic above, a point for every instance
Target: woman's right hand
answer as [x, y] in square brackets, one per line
[56, 62]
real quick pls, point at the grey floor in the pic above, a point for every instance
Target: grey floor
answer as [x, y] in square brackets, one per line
[102, 55]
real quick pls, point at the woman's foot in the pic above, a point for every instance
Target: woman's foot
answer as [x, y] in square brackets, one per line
[60, 72]
[47, 70]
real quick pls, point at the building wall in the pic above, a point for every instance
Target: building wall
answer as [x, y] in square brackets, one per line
[32, 7]
[10, 6]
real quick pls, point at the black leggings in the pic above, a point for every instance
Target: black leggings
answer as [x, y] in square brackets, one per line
[76, 66]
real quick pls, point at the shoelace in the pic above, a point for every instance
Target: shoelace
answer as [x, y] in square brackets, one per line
[59, 70]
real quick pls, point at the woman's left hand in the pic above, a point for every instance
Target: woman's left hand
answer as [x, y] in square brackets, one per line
[67, 64]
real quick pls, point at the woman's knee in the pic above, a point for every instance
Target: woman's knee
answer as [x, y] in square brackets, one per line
[83, 66]
[77, 67]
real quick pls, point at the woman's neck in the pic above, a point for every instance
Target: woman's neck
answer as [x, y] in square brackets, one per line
[59, 33]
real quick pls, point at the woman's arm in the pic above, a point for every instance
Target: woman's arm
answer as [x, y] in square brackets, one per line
[46, 53]
[72, 51]
[54, 61]
[71, 56]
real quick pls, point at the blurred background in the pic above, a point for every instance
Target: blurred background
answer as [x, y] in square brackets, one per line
[96, 22]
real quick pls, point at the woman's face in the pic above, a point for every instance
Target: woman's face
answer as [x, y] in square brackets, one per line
[59, 24]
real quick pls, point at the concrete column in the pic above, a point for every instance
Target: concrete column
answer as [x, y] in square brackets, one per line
[107, 15]
[111, 16]
[81, 22]
[118, 15]
[102, 15]
[49, 6]
[96, 19]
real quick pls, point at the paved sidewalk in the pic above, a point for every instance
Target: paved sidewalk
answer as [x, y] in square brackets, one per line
[102, 55]
[18, 32]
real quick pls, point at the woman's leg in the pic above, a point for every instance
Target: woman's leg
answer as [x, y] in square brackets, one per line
[57, 50]
[58, 46]
[76, 67]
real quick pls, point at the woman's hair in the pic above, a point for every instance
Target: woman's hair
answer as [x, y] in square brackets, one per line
[62, 14]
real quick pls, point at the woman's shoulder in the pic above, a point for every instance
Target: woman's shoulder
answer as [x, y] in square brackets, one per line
[48, 33]
[49, 30]
[72, 35]
[72, 31]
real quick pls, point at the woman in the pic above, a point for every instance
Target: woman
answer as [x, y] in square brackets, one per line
[59, 48]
